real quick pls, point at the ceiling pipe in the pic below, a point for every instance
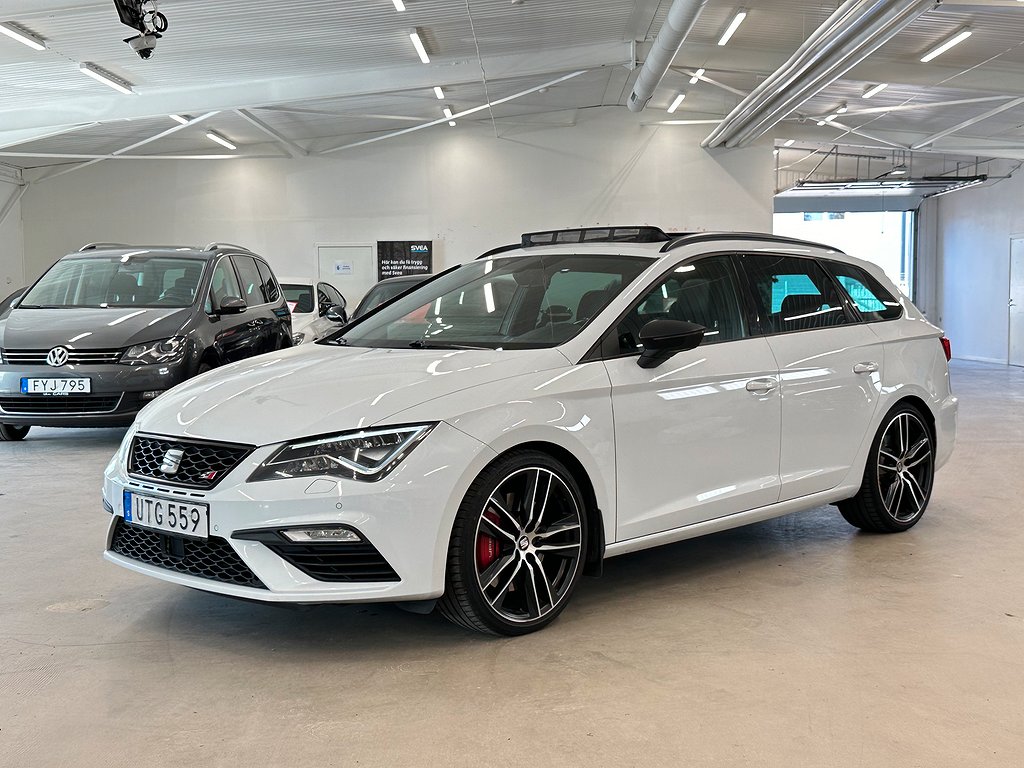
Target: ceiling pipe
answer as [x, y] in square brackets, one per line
[851, 34]
[681, 17]
[856, 48]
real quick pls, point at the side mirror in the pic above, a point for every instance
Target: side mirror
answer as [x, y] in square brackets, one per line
[336, 314]
[663, 338]
[232, 305]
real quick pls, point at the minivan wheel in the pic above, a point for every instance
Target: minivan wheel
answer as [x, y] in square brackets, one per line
[11, 432]
[898, 478]
[517, 547]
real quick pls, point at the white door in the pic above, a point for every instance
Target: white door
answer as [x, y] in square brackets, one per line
[352, 269]
[829, 369]
[697, 437]
[1016, 304]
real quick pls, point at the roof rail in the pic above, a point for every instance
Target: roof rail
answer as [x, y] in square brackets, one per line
[226, 246]
[701, 237]
[634, 234]
[500, 249]
[96, 246]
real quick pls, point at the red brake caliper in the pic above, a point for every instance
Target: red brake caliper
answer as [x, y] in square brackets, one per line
[488, 548]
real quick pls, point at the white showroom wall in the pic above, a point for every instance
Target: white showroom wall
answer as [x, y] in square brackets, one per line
[12, 246]
[461, 187]
[967, 234]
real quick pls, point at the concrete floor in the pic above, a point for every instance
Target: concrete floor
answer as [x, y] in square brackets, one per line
[796, 642]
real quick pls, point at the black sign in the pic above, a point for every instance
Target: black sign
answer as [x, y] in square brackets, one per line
[397, 258]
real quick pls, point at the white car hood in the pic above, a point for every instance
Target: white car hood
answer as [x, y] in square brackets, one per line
[316, 389]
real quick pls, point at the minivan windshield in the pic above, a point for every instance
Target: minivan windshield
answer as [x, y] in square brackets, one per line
[518, 302]
[128, 280]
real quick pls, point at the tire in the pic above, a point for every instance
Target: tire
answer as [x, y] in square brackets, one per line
[898, 477]
[12, 433]
[517, 548]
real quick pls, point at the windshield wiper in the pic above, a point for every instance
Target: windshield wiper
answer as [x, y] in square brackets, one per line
[421, 344]
[39, 306]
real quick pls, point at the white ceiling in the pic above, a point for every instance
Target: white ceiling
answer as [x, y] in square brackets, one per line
[322, 75]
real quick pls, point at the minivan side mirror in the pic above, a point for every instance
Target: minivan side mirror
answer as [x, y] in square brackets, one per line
[232, 305]
[336, 313]
[663, 338]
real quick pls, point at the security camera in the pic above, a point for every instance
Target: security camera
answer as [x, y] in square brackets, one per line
[144, 45]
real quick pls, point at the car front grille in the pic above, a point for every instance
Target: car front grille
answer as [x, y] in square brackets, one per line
[202, 464]
[212, 559]
[337, 562]
[75, 356]
[54, 405]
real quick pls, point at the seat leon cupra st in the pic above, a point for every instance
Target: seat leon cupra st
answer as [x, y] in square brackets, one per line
[481, 441]
[109, 328]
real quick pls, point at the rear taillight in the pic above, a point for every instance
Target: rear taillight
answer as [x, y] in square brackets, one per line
[946, 348]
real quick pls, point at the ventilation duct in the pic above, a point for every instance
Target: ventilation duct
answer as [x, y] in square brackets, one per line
[681, 18]
[852, 33]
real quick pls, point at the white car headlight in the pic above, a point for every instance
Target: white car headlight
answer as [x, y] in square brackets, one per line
[366, 455]
[152, 352]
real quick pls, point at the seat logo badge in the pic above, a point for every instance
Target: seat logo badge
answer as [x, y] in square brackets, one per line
[172, 461]
[57, 357]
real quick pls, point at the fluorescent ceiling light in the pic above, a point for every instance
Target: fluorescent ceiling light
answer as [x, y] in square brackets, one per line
[22, 36]
[676, 102]
[105, 77]
[700, 73]
[179, 119]
[439, 93]
[789, 142]
[733, 26]
[874, 89]
[418, 45]
[831, 117]
[451, 123]
[821, 122]
[843, 108]
[942, 47]
[447, 112]
[220, 140]
[399, 5]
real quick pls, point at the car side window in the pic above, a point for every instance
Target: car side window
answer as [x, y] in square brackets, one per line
[792, 294]
[323, 297]
[335, 294]
[223, 285]
[271, 291]
[872, 300]
[703, 292]
[252, 285]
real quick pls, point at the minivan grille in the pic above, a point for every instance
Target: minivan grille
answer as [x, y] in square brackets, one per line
[75, 356]
[212, 559]
[54, 405]
[201, 465]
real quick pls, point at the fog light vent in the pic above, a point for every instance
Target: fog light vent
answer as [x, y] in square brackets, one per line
[327, 535]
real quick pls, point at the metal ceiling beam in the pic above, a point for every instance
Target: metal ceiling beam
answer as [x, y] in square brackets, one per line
[14, 138]
[190, 99]
[130, 147]
[921, 105]
[969, 122]
[12, 201]
[709, 81]
[285, 143]
[457, 115]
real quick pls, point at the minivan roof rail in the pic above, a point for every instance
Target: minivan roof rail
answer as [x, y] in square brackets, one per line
[700, 237]
[226, 246]
[95, 246]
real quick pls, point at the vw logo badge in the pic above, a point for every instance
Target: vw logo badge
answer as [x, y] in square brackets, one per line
[57, 357]
[172, 461]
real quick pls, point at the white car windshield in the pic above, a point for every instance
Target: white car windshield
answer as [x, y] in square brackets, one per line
[117, 281]
[518, 302]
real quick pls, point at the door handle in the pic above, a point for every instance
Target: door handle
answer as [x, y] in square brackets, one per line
[865, 368]
[762, 386]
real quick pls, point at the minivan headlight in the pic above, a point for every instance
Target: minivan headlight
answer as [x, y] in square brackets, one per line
[366, 455]
[152, 352]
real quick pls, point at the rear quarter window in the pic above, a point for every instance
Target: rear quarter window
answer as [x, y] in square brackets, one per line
[870, 298]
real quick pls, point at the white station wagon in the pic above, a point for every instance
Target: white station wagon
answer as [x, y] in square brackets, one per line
[480, 442]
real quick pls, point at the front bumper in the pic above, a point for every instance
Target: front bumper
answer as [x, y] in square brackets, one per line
[407, 518]
[114, 401]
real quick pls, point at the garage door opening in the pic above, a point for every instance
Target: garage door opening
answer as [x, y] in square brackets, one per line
[885, 238]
